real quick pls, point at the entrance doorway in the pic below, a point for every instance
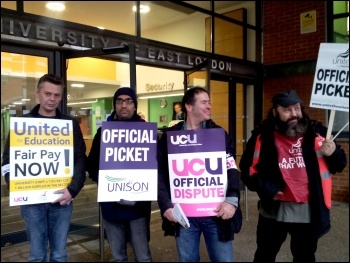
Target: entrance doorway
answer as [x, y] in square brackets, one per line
[20, 72]
[228, 110]
[228, 97]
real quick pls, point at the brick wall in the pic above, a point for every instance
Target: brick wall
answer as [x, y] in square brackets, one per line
[282, 39]
[284, 43]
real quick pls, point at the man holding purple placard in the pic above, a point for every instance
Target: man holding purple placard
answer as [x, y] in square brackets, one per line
[124, 220]
[225, 219]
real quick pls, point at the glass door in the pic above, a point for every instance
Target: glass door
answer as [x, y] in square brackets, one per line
[228, 97]
[92, 82]
[20, 73]
[197, 76]
[219, 96]
[21, 69]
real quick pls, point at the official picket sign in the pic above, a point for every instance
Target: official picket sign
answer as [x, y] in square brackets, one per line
[128, 162]
[41, 154]
[197, 170]
[331, 83]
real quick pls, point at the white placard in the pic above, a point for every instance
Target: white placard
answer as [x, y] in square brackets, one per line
[331, 83]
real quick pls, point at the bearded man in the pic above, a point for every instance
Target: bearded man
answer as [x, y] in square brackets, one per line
[289, 163]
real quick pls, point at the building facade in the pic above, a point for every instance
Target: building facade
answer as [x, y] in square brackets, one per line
[241, 51]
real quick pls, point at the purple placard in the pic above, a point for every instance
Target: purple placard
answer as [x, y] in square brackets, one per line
[128, 145]
[197, 170]
[203, 140]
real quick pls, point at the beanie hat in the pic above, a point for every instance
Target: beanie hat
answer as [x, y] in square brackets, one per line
[286, 98]
[125, 91]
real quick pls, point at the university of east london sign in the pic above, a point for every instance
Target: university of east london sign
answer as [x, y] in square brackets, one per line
[22, 30]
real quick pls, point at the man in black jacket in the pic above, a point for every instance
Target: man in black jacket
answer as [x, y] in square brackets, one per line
[218, 230]
[289, 164]
[123, 220]
[48, 223]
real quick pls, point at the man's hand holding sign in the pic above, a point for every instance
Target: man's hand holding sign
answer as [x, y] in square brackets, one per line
[197, 173]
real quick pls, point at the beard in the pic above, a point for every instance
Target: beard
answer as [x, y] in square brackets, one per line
[290, 129]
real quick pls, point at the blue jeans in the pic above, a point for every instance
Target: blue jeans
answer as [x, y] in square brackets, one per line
[47, 224]
[136, 231]
[188, 241]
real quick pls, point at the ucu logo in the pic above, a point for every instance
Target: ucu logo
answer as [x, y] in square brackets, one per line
[20, 199]
[183, 139]
[201, 167]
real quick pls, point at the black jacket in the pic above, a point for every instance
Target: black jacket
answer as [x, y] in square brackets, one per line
[79, 176]
[226, 228]
[113, 211]
[268, 181]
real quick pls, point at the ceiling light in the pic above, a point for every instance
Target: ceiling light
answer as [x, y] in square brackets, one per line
[25, 99]
[77, 85]
[101, 27]
[81, 102]
[150, 96]
[54, 6]
[143, 9]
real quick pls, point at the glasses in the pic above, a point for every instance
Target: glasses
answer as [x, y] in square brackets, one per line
[127, 101]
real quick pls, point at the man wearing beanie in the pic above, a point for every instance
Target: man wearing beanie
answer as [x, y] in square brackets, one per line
[124, 221]
[289, 163]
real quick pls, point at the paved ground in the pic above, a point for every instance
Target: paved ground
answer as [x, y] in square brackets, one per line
[84, 242]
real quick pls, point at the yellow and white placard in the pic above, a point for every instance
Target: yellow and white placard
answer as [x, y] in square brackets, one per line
[41, 159]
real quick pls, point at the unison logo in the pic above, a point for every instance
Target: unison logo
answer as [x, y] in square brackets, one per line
[183, 139]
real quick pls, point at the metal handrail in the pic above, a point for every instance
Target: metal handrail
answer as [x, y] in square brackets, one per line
[102, 236]
[245, 195]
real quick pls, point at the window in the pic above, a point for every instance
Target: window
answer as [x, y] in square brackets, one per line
[338, 32]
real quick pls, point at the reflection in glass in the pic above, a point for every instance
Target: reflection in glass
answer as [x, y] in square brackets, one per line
[8, 4]
[175, 25]
[229, 37]
[19, 77]
[341, 35]
[340, 7]
[112, 15]
[166, 21]
[341, 30]
[91, 101]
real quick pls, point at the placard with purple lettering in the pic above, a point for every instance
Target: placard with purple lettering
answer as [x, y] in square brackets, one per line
[41, 159]
[197, 170]
[128, 162]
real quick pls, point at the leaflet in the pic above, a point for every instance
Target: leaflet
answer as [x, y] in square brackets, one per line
[180, 216]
